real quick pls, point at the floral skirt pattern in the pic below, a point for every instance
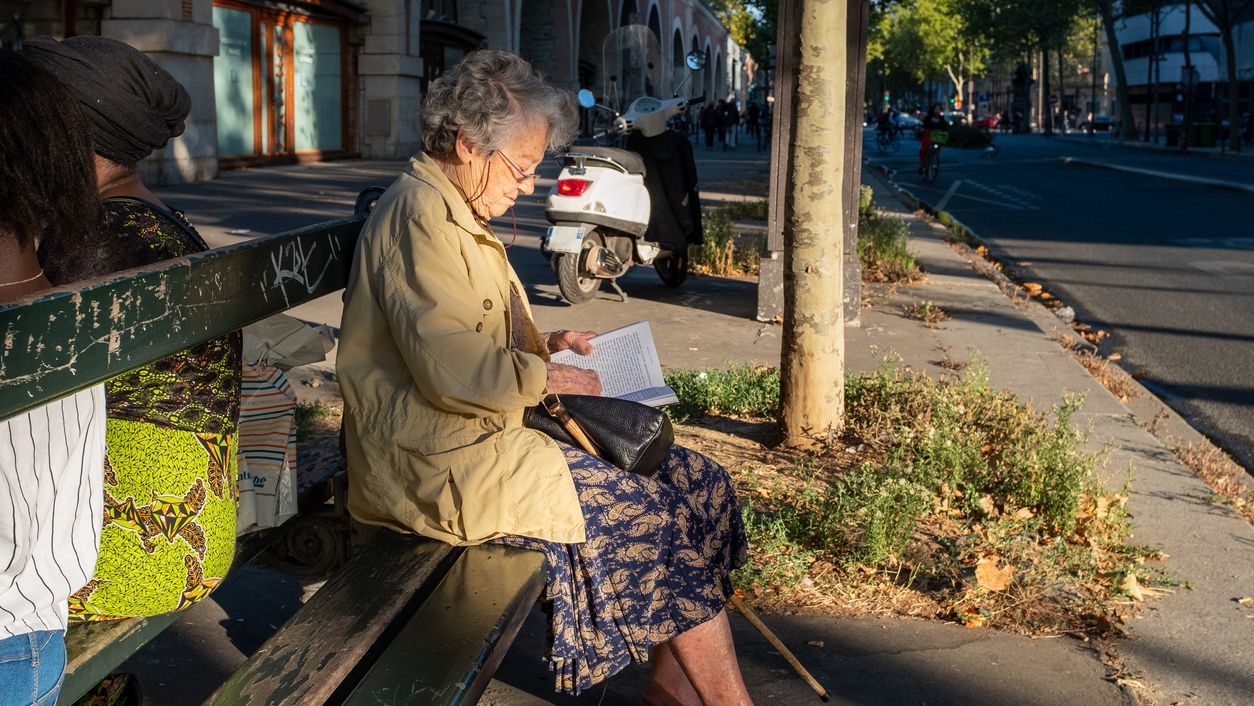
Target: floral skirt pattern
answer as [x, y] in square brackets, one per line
[169, 521]
[656, 563]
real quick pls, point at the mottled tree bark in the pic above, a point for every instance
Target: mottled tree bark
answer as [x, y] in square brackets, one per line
[813, 360]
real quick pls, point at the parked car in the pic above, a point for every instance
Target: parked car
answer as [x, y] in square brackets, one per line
[986, 122]
[1099, 123]
[905, 121]
[954, 117]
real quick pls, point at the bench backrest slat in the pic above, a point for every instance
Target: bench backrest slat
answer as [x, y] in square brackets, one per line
[74, 337]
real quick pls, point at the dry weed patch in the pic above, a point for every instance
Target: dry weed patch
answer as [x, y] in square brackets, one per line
[945, 499]
[1221, 473]
[1108, 375]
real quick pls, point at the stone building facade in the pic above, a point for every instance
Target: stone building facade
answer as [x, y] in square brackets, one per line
[282, 81]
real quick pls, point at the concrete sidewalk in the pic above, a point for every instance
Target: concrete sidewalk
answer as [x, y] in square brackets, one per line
[1193, 646]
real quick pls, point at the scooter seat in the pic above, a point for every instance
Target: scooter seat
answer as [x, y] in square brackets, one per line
[625, 158]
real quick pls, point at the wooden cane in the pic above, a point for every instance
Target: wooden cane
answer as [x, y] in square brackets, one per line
[555, 408]
[753, 619]
[553, 404]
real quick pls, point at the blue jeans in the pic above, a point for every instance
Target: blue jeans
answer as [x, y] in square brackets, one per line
[31, 667]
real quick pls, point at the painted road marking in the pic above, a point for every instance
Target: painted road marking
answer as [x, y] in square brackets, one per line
[940, 205]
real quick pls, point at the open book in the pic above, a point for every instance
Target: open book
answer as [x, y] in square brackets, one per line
[627, 362]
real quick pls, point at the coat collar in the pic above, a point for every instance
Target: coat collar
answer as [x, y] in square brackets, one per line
[424, 168]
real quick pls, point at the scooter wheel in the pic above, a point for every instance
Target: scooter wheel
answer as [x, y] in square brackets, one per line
[672, 270]
[576, 286]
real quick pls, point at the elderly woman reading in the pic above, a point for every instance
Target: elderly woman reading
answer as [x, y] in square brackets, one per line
[438, 359]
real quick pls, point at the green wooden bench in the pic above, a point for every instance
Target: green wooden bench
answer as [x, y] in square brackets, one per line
[406, 620]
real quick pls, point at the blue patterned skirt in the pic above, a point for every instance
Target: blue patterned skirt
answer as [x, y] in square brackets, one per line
[656, 563]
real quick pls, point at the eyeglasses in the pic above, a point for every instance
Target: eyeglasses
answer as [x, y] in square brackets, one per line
[521, 175]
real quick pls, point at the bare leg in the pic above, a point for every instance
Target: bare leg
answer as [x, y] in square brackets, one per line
[668, 685]
[708, 658]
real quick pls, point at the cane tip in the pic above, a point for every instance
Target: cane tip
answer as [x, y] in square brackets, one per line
[825, 697]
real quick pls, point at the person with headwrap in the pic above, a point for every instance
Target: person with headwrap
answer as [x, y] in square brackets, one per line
[170, 487]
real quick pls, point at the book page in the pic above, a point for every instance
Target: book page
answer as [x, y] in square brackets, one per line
[626, 360]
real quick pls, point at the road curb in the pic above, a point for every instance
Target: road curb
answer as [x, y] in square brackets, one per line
[1201, 181]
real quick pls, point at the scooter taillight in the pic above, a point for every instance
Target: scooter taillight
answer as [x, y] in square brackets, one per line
[572, 187]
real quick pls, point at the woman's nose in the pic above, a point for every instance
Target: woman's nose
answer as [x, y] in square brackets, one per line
[528, 186]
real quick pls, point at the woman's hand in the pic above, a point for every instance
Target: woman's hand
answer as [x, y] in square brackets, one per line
[576, 341]
[569, 380]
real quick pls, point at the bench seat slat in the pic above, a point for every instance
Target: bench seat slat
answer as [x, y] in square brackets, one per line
[94, 650]
[307, 659]
[448, 650]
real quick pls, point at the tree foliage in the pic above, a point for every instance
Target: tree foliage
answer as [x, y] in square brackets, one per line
[751, 23]
[1015, 27]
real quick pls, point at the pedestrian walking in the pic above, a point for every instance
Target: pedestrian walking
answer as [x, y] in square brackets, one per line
[731, 123]
[752, 122]
[709, 124]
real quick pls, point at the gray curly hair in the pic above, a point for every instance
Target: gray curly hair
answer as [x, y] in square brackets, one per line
[488, 95]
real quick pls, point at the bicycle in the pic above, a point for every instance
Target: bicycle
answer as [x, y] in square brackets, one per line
[887, 140]
[932, 161]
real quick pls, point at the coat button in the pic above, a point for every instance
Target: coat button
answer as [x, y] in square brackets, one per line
[487, 304]
[478, 327]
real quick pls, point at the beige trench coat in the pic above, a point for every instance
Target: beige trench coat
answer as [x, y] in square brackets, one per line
[433, 394]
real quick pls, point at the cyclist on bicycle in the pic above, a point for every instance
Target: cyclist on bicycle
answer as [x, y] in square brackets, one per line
[935, 120]
[884, 122]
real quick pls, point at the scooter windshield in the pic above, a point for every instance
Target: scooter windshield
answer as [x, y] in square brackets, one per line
[632, 63]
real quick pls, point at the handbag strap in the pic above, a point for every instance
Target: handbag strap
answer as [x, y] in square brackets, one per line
[553, 405]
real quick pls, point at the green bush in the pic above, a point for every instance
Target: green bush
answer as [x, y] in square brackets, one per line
[754, 210]
[883, 250]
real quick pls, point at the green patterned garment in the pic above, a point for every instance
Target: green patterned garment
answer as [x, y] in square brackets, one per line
[171, 485]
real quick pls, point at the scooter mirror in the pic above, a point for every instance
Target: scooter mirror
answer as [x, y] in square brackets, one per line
[586, 99]
[696, 60]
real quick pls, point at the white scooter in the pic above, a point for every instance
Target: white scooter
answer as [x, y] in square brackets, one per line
[601, 207]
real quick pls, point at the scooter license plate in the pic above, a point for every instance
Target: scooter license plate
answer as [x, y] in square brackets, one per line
[568, 239]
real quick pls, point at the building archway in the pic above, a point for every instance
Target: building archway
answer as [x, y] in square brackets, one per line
[698, 78]
[594, 25]
[537, 27]
[630, 14]
[677, 60]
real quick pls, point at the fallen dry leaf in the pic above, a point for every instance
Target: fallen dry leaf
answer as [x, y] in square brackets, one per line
[815, 643]
[1033, 288]
[971, 618]
[992, 578]
[1114, 356]
[1132, 587]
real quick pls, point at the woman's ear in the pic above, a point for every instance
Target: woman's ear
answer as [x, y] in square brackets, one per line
[462, 146]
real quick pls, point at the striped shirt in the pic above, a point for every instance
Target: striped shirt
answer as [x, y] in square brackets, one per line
[51, 509]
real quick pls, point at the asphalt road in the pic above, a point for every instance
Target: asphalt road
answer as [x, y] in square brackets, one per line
[1166, 267]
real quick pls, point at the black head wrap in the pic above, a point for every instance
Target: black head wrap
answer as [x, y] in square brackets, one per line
[134, 105]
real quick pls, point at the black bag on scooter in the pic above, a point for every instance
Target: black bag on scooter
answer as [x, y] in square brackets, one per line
[671, 180]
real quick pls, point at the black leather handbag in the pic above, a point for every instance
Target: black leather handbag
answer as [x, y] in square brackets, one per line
[634, 437]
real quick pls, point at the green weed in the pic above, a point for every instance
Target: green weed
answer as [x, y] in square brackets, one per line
[752, 210]
[723, 252]
[742, 390]
[308, 416]
[882, 247]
